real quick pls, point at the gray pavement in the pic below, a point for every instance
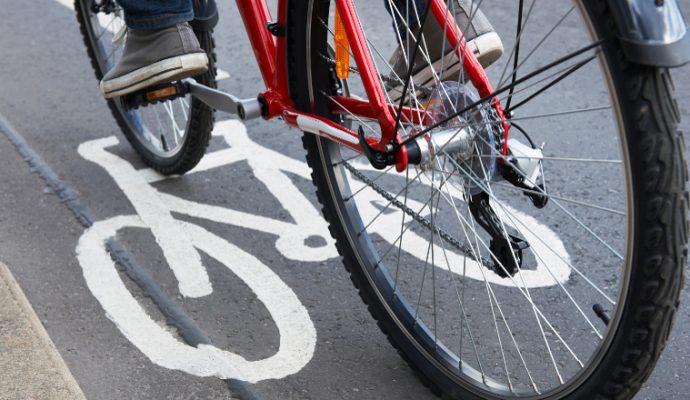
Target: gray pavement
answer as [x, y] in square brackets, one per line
[49, 95]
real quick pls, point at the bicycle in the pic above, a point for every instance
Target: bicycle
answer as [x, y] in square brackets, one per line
[456, 167]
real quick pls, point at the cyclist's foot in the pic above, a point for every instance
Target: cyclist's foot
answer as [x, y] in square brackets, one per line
[155, 56]
[481, 39]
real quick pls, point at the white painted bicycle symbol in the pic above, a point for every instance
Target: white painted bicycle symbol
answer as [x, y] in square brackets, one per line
[181, 242]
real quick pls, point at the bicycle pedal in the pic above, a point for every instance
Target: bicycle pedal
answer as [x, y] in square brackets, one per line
[155, 94]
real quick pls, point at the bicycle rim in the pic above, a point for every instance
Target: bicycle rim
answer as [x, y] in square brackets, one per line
[419, 255]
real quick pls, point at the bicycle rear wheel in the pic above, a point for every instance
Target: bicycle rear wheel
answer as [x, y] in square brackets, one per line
[572, 300]
[170, 137]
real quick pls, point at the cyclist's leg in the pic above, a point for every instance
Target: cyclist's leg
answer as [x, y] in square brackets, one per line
[160, 47]
[154, 14]
[402, 13]
[480, 36]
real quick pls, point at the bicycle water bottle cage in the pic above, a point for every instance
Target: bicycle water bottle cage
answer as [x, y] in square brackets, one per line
[506, 244]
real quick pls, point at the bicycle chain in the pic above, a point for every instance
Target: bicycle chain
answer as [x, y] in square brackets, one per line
[464, 249]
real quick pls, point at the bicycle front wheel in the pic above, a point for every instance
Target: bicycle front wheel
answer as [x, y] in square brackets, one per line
[560, 284]
[170, 137]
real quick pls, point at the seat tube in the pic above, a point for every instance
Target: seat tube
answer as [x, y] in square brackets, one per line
[471, 65]
[368, 72]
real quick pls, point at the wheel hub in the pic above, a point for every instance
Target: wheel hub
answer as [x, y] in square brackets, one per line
[468, 141]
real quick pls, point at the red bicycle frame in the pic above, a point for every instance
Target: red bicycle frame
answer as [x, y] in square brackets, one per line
[270, 52]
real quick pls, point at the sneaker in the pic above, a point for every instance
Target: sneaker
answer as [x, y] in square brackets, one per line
[155, 56]
[481, 39]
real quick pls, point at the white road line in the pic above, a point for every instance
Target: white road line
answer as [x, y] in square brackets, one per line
[297, 332]
[173, 240]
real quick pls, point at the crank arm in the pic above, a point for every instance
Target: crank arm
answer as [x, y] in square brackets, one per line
[243, 108]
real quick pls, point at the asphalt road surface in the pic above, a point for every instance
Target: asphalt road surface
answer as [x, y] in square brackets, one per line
[48, 94]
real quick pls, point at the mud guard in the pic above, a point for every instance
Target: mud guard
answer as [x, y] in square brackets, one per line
[652, 32]
[205, 15]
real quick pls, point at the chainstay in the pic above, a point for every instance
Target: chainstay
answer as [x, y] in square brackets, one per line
[463, 248]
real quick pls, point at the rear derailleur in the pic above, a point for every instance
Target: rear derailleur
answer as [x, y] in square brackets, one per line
[506, 244]
[523, 169]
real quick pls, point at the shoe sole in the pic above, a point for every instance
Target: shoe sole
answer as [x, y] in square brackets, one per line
[168, 70]
[487, 48]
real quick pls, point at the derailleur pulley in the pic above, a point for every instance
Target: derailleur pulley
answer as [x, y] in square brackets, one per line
[506, 244]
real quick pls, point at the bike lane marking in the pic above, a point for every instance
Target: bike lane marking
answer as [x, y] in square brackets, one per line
[216, 362]
[552, 265]
[175, 316]
[297, 332]
[307, 218]
[174, 241]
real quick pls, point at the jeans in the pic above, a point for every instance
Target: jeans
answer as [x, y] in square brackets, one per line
[153, 14]
[407, 9]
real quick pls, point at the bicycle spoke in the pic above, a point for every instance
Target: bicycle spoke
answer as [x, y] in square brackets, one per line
[505, 306]
[491, 302]
[560, 206]
[379, 176]
[390, 202]
[177, 132]
[489, 190]
[547, 158]
[565, 199]
[347, 160]
[183, 107]
[433, 257]
[550, 84]
[402, 231]
[543, 39]
[526, 292]
[109, 26]
[504, 89]
[595, 287]
[461, 302]
[350, 113]
[516, 49]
